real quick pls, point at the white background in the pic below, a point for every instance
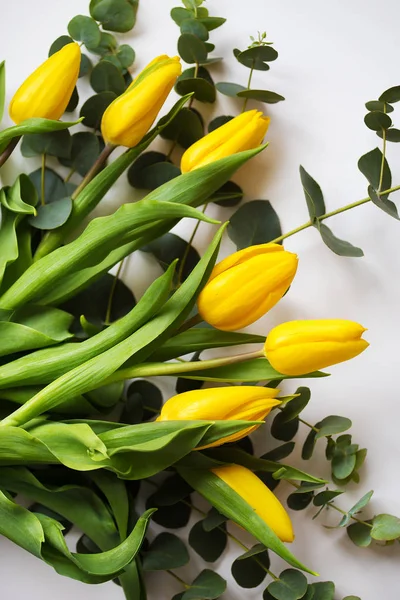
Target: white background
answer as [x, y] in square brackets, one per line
[333, 56]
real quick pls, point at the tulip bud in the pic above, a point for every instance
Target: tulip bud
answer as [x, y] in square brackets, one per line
[244, 403]
[300, 347]
[131, 115]
[246, 285]
[265, 504]
[244, 132]
[48, 90]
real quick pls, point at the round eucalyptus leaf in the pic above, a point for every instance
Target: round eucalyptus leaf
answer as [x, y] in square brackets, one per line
[299, 501]
[128, 79]
[208, 544]
[126, 55]
[282, 430]
[207, 586]
[106, 77]
[92, 302]
[114, 15]
[172, 490]
[150, 398]
[359, 534]
[211, 22]
[256, 55]
[54, 186]
[73, 101]
[333, 424]
[392, 134]
[151, 170]
[229, 89]
[229, 194]
[213, 519]
[108, 43]
[54, 143]
[218, 121]
[279, 452]
[86, 65]
[191, 48]
[210, 47]
[202, 86]
[185, 128]
[168, 248]
[179, 14]
[111, 58]
[195, 27]
[249, 570]
[255, 222]
[343, 464]
[165, 552]
[377, 120]
[59, 43]
[326, 496]
[53, 215]
[323, 590]
[261, 95]
[84, 29]
[292, 585]
[171, 517]
[391, 95]
[94, 107]
[297, 405]
[385, 527]
[84, 152]
[378, 105]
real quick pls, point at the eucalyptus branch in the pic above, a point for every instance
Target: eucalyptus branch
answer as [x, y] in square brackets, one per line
[248, 86]
[332, 214]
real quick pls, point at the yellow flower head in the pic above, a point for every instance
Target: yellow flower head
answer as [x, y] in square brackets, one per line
[246, 285]
[47, 91]
[241, 403]
[130, 116]
[300, 347]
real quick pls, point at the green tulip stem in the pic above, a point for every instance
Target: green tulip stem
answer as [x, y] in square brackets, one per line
[43, 181]
[332, 214]
[112, 292]
[5, 155]
[188, 246]
[94, 169]
[248, 86]
[163, 369]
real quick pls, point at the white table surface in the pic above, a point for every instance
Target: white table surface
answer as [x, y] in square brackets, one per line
[334, 56]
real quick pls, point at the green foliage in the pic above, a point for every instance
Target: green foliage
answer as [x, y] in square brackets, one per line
[359, 534]
[171, 247]
[250, 569]
[85, 149]
[230, 194]
[208, 585]
[229, 89]
[283, 429]
[186, 128]
[93, 109]
[292, 585]
[143, 401]
[202, 86]
[385, 527]
[114, 15]
[151, 170]
[257, 57]
[84, 29]
[208, 544]
[32, 126]
[331, 425]
[255, 222]
[52, 215]
[265, 96]
[105, 77]
[56, 143]
[166, 551]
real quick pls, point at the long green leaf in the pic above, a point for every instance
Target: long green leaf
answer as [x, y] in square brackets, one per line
[32, 126]
[233, 506]
[102, 235]
[91, 195]
[45, 365]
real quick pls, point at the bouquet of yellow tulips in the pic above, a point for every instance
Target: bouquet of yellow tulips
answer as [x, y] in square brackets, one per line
[83, 422]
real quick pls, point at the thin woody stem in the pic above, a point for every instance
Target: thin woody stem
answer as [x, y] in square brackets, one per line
[95, 168]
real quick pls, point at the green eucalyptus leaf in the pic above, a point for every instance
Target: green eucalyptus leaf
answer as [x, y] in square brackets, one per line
[202, 86]
[171, 517]
[73, 101]
[256, 57]
[362, 503]
[279, 452]
[144, 399]
[323, 590]
[59, 43]
[207, 586]
[171, 247]
[171, 491]
[230, 194]
[378, 105]
[179, 14]
[94, 107]
[297, 405]
[255, 222]
[218, 121]
[84, 29]
[229, 89]
[151, 170]
[313, 194]
[2, 87]
[105, 77]
[108, 44]
[86, 65]
[114, 15]
[338, 246]
[186, 128]
[126, 55]
[392, 134]
[211, 22]
[195, 27]
[208, 544]
[377, 120]
[382, 202]
[299, 501]
[385, 527]
[261, 96]
[165, 552]
[391, 95]
[284, 430]
[85, 150]
[250, 569]
[56, 143]
[191, 48]
[370, 165]
[292, 585]
[54, 186]
[326, 496]
[359, 534]
[333, 424]
[213, 519]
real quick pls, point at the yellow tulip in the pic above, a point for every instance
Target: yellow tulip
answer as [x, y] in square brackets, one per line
[47, 91]
[244, 132]
[300, 347]
[265, 504]
[244, 403]
[246, 285]
[131, 115]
